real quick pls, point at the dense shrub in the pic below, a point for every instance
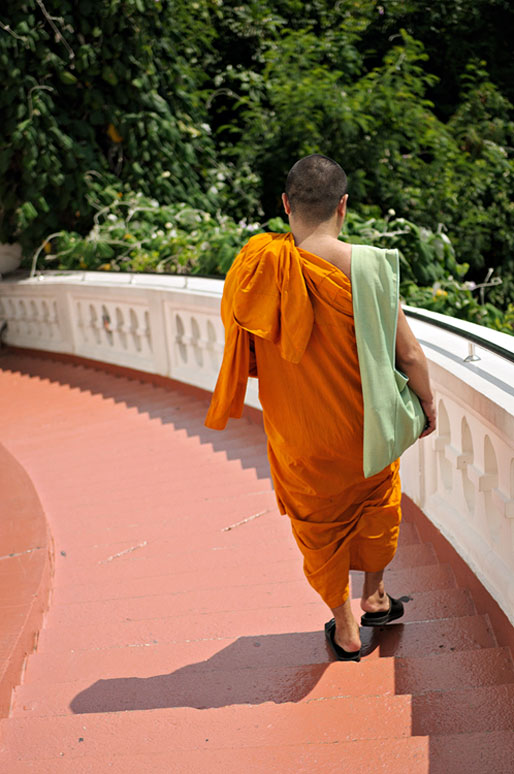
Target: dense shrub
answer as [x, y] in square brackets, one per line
[100, 88]
[204, 106]
[136, 233]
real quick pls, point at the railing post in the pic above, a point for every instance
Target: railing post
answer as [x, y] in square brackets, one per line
[472, 355]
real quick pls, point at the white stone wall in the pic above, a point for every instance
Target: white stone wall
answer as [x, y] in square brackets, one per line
[164, 325]
[462, 477]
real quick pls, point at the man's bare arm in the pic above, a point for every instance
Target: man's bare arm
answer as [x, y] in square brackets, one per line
[411, 359]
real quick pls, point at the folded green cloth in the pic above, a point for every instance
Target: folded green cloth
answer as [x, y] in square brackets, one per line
[393, 417]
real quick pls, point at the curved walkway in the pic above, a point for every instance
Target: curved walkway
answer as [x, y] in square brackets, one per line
[181, 635]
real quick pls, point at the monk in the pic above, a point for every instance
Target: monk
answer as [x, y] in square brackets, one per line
[287, 311]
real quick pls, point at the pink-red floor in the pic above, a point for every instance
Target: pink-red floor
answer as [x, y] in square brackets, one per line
[180, 634]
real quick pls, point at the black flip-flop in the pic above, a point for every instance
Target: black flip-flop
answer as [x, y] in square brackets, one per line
[396, 610]
[339, 653]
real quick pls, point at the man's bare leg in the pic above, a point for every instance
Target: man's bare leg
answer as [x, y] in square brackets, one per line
[374, 599]
[347, 629]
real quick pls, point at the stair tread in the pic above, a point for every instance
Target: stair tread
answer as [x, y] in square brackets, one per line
[329, 722]
[402, 756]
[202, 686]
[483, 708]
[463, 633]
[453, 671]
[472, 753]
[116, 685]
[405, 581]
[414, 555]
[138, 640]
[159, 599]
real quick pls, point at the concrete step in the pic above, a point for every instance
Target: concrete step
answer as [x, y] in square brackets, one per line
[453, 671]
[480, 753]
[281, 651]
[409, 580]
[197, 602]
[466, 668]
[481, 709]
[400, 756]
[202, 687]
[423, 606]
[320, 721]
[219, 684]
[408, 534]
[464, 633]
[329, 721]
[490, 752]
[437, 604]
[149, 661]
[427, 638]
[136, 575]
[414, 555]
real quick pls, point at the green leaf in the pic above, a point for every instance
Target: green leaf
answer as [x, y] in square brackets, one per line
[109, 75]
[68, 78]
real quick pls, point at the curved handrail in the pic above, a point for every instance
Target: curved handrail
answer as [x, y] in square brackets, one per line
[476, 338]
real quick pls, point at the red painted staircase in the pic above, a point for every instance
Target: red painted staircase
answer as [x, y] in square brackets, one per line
[181, 635]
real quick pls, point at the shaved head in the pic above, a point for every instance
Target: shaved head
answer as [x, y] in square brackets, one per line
[314, 187]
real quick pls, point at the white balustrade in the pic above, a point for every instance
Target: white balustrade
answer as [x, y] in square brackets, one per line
[462, 477]
[32, 319]
[168, 325]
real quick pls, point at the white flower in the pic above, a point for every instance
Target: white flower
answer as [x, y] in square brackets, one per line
[213, 190]
[166, 173]
[391, 212]
[154, 203]
[169, 225]
[111, 216]
[160, 233]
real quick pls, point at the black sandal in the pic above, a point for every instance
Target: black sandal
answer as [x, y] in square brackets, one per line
[339, 653]
[396, 610]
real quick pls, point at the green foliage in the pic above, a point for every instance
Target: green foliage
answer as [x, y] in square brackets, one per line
[135, 233]
[384, 130]
[426, 257]
[204, 106]
[100, 88]
[456, 299]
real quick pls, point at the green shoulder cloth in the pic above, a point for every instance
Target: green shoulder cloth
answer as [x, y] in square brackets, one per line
[393, 417]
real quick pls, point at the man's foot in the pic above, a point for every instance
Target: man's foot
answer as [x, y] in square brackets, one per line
[379, 618]
[341, 654]
[376, 603]
[346, 633]
[348, 641]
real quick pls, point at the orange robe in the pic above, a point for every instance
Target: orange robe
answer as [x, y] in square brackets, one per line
[288, 314]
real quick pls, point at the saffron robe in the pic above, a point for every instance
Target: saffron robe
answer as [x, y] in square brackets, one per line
[288, 319]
